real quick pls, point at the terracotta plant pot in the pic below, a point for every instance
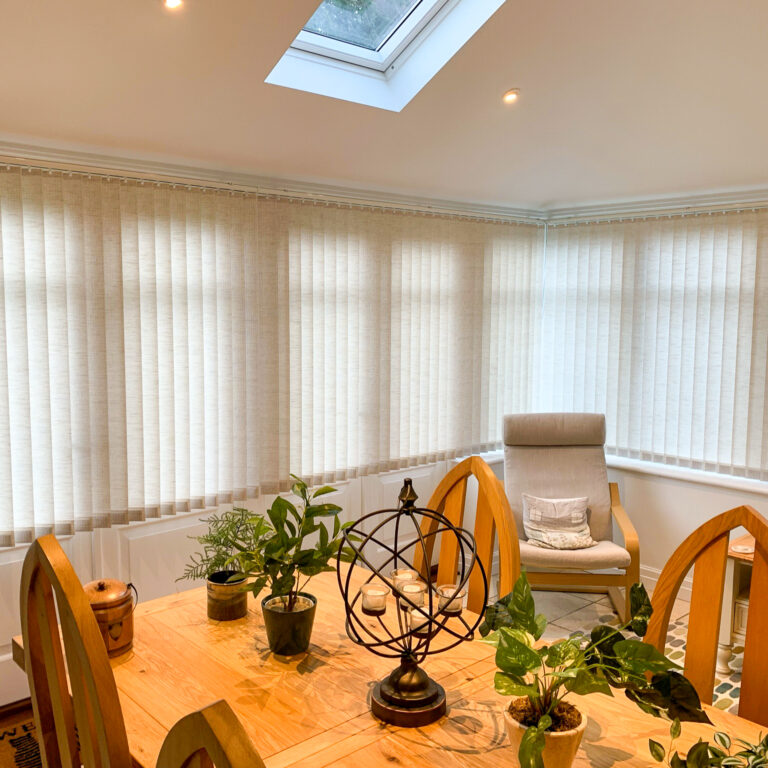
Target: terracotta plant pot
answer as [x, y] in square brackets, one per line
[560, 747]
[288, 632]
[226, 599]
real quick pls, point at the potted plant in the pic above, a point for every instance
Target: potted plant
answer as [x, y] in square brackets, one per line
[228, 533]
[285, 560]
[719, 755]
[546, 730]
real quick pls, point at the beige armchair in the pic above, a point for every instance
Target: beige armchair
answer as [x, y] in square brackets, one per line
[560, 455]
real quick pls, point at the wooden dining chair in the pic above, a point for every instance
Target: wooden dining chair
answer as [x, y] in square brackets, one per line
[74, 697]
[492, 517]
[707, 547]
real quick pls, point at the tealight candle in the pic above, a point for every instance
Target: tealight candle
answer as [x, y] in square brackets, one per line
[451, 598]
[374, 599]
[414, 591]
[420, 624]
[402, 576]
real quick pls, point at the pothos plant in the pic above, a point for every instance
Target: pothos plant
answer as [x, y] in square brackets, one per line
[721, 753]
[606, 659]
[283, 559]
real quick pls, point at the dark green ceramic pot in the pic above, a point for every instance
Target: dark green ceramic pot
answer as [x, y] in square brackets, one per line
[288, 632]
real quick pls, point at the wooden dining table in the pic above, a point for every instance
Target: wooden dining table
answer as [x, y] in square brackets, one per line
[313, 710]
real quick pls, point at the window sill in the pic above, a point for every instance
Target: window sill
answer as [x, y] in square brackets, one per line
[684, 474]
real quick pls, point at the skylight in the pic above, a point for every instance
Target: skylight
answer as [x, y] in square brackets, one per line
[367, 24]
[378, 52]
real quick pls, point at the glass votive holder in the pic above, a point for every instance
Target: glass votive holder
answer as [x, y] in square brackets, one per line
[421, 626]
[451, 599]
[402, 576]
[414, 591]
[374, 599]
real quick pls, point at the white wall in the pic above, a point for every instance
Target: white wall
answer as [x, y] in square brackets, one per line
[152, 554]
[665, 510]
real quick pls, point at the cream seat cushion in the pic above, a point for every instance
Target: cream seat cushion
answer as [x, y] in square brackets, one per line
[605, 554]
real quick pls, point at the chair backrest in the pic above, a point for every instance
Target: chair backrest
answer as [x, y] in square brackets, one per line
[492, 517]
[555, 456]
[707, 547]
[74, 697]
[211, 736]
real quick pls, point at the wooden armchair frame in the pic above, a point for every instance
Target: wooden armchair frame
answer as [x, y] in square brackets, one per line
[74, 697]
[707, 547]
[493, 516]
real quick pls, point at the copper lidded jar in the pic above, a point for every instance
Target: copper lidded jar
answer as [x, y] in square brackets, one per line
[113, 605]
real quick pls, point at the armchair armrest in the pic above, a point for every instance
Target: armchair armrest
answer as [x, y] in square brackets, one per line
[631, 539]
[210, 736]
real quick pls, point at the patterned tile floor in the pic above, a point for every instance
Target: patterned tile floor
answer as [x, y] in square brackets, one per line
[569, 612]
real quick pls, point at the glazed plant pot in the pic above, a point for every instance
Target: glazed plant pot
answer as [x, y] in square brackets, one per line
[560, 747]
[226, 599]
[288, 632]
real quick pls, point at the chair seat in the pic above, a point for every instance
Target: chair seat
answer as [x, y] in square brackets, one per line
[605, 554]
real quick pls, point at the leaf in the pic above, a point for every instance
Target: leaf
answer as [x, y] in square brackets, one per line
[322, 491]
[657, 751]
[322, 510]
[640, 657]
[675, 729]
[698, 755]
[678, 697]
[562, 652]
[677, 762]
[531, 747]
[278, 512]
[641, 609]
[515, 657]
[512, 685]
[517, 610]
[602, 642]
[723, 739]
[586, 682]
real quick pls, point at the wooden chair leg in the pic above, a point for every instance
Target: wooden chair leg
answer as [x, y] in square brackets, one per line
[620, 602]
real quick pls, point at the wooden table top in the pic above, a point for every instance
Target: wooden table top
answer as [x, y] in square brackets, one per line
[312, 710]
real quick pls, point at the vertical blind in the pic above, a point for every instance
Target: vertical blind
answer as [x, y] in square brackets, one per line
[168, 348]
[663, 326]
[165, 348]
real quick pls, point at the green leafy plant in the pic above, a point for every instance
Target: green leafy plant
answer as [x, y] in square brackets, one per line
[703, 754]
[283, 560]
[600, 662]
[229, 533]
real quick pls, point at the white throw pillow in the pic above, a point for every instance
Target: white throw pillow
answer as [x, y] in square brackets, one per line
[557, 523]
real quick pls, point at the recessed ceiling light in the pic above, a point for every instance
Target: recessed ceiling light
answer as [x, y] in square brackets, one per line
[510, 97]
[174, 4]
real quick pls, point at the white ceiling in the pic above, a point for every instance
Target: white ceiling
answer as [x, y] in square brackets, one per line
[619, 99]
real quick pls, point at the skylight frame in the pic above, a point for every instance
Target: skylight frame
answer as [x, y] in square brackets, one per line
[385, 56]
[452, 25]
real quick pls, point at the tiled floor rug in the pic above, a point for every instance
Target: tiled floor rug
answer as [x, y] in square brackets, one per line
[727, 687]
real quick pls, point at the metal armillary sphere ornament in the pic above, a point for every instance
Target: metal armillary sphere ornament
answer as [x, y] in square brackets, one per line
[423, 619]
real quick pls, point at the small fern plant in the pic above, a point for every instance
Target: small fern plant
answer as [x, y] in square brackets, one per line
[229, 533]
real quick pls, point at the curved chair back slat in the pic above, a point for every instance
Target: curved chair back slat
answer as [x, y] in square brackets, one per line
[74, 697]
[707, 548]
[493, 516]
[211, 736]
